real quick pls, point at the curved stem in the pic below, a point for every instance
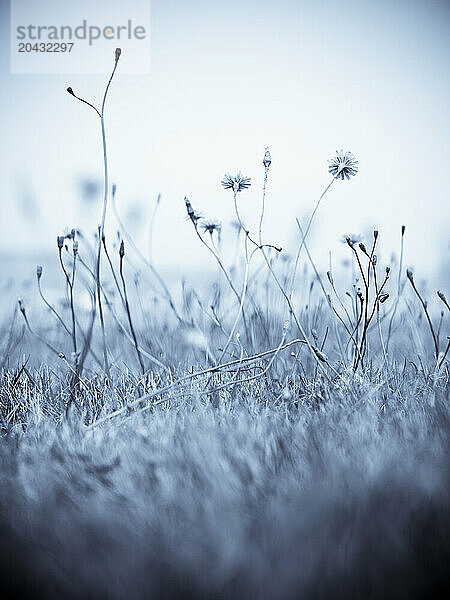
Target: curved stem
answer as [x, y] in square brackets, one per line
[308, 227]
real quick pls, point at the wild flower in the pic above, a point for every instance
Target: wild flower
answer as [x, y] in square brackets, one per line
[237, 183]
[210, 227]
[343, 165]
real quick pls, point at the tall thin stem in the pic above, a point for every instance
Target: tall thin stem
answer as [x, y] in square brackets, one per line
[308, 227]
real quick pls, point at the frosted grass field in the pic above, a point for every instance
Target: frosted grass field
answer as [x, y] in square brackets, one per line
[271, 432]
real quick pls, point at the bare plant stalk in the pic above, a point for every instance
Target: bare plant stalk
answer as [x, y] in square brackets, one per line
[101, 115]
[127, 308]
[108, 303]
[113, 272]
[399, 289]
[424, 305]
[315, 352]
[70, 283]
[39, 337]
[47, 304]
[308, 227]
[147, 262]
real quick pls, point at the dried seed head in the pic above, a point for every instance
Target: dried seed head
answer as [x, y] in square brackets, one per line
[409, 275]
[343, 165]
[267, 159]
[70, 90]
[362, 248]
[237, 182]
[192, 215]
[388, 270]
[384, 297]
[39, 271]
[117, 54]
[60, 241]
[349, 242]
[122, 249]
[375, 233]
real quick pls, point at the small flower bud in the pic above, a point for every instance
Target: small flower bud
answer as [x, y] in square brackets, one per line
[388, 270]
[71, 235]
[362, 248]
[409, 275]
[118, 53]
[70, 90]
[374, 259]
[21, 305]
[122, 249]
[442, 297]
[39, 271]
[320, 355]
[403, 230]
[75, 248]
[114, 189]
[375, 233]
[267, 159]
[330, 277]
[384, 297]
[60, 241]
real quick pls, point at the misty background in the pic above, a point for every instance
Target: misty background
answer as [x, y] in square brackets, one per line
[227, 79]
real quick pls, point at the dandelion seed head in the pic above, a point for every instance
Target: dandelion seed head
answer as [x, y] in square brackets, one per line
[343, 165]
[237, 182]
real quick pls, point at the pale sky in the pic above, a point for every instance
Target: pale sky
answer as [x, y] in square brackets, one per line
[227, 79]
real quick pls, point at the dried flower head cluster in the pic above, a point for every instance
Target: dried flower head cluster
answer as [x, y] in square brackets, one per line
[343, 165]
[237, 182]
